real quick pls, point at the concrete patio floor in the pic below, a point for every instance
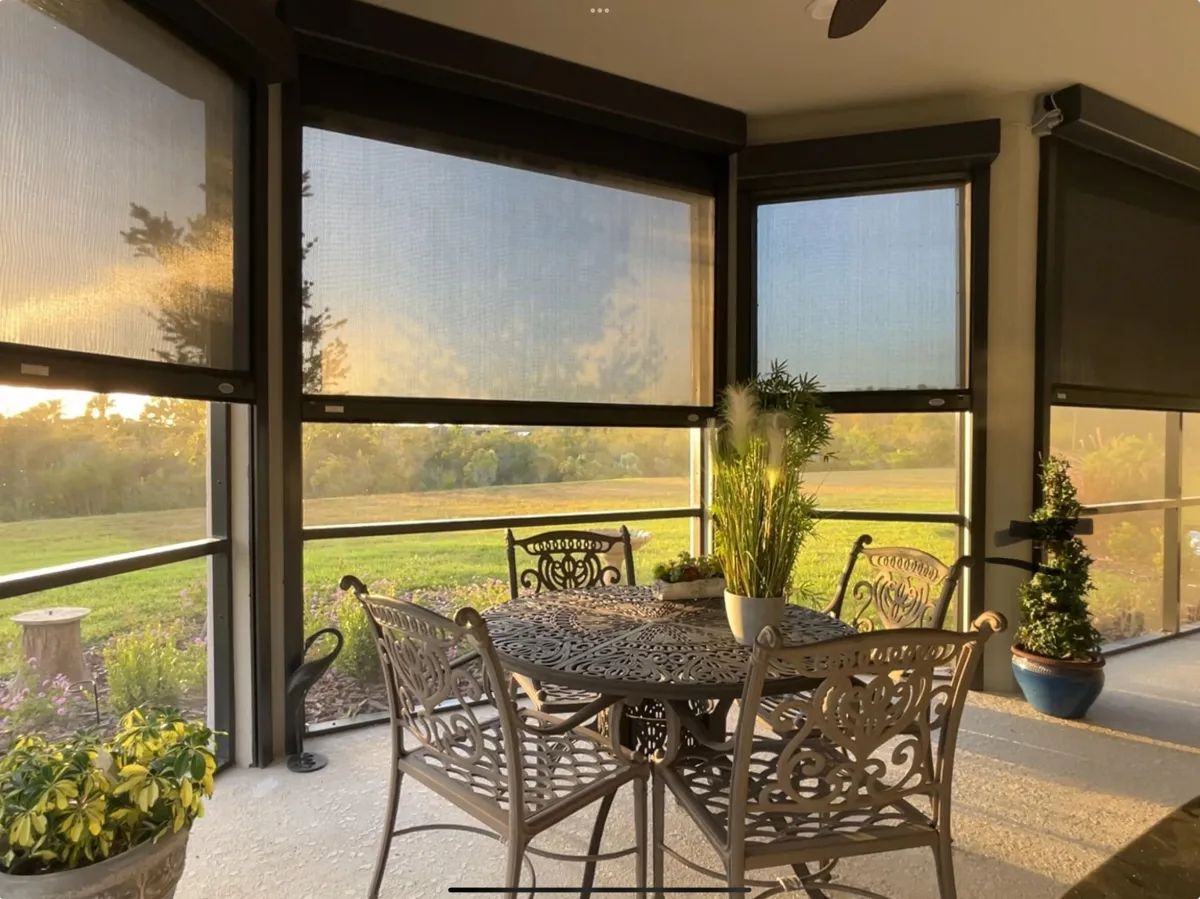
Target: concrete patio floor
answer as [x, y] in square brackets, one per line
[1038, 805]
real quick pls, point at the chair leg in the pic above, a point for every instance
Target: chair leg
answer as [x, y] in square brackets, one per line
[389, 827]
[639, 830]
[802, 871]
[945, 867]
[512, 876]
[735, 867]
[658, 801]
[589, 868]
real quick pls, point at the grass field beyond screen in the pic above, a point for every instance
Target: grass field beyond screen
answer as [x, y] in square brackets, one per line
[130, 602]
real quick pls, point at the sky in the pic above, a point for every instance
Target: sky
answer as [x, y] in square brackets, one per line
[862, 291]
[464, 278]
[455, 277]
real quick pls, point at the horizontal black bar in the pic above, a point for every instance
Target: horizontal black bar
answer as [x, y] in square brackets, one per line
[693, 891]
[1020, 531]
[400, 110]
[27, 366]
[910, 517]
[864, 401]
[1022, 564]
[385, 410]
[1106, 125]
[787, 189]
[911, 151]
[242, 34]
[12, 585]
[469, 63]
[455, 525]
[1092, 397]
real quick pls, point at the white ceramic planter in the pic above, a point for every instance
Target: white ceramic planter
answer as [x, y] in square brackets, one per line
[748, 615]
[148, 871]
[705, 588]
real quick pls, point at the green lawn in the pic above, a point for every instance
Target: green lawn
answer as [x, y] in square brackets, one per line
[131, 601]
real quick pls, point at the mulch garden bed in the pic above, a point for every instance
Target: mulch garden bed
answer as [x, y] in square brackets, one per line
[337, 696]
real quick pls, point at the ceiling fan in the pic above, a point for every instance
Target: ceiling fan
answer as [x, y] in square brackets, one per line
[846, 17]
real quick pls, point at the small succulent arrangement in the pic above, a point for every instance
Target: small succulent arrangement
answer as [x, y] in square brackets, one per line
[76, 802]
[685, 568]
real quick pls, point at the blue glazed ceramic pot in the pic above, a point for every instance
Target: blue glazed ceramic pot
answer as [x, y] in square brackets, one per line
[1057, 688]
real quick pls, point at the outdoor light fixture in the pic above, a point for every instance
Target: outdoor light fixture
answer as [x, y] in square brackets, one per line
[821, 10]
[845, 17]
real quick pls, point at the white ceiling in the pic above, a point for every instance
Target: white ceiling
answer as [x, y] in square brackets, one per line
[769, 57]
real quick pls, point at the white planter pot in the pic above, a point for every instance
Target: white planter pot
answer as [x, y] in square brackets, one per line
[705, 588]
[148, 871]
[748, 615]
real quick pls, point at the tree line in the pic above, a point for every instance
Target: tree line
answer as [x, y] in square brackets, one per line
[53, 466]
[100, 463]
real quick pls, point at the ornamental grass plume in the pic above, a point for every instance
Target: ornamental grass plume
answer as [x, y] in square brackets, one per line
[770, 429]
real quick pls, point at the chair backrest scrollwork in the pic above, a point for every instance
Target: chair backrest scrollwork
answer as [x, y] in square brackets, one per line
[904, 588]
[862, 739]
[569, 560]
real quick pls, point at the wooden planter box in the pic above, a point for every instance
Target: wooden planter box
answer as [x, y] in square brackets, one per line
[707, 588]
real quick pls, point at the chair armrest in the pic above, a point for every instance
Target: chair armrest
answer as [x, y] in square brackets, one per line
[555, 725]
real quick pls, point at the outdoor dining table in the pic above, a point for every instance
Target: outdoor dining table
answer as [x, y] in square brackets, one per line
[674, 665]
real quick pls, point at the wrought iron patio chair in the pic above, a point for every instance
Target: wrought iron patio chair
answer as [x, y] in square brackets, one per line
[848, 768]
[565, 560]
[905, 587]
[516, 771]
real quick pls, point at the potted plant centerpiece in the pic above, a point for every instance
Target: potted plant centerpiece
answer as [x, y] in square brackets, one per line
[84, 818]
[770, 428]
[688, 577]
[1056, 651]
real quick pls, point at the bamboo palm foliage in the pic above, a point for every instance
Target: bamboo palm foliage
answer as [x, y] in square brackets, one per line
[770, 429]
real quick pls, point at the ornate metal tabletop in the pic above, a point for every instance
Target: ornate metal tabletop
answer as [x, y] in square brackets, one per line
[624, 640]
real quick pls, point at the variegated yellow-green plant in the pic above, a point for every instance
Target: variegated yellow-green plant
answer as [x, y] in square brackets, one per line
[79, 801]
[770, 429]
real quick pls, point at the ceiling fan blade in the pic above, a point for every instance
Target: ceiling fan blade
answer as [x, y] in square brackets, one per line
[851, 16]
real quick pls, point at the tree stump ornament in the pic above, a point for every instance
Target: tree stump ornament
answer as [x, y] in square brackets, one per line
[52, 641]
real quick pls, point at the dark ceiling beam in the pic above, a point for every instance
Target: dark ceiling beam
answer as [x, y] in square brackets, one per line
[244, 35]
[910, 152]
[1103, 124]
[367, 36]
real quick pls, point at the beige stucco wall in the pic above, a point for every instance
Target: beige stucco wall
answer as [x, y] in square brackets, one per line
[1011, 299]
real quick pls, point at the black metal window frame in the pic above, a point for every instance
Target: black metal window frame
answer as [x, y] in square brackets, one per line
[957, 155]
[1093, 121]
[412, 103]
[251, 49]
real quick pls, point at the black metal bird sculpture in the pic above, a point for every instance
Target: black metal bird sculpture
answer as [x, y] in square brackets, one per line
[300, 682]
